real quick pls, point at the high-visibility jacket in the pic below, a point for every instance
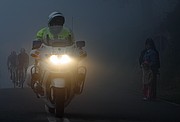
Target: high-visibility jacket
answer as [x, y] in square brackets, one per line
[64, 34]
[45, 33]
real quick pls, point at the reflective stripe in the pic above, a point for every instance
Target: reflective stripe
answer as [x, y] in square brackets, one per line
[40, 34]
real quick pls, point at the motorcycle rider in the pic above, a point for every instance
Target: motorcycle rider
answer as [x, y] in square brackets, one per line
[55, 30]
[12, 63]
[23, 62]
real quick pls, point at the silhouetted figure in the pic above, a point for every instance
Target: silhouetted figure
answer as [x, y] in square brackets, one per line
[151, 55]
[23, 63]
[12, 63]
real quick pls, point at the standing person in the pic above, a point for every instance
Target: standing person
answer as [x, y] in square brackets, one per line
[147, 80]
[151, 55]
[12, 63]
[23, 63]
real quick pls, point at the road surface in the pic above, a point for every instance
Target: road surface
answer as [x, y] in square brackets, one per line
[21, 105]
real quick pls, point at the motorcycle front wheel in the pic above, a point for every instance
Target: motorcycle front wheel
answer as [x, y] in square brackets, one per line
[59, 99]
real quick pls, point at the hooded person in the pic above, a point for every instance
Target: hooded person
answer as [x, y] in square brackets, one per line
[151, 55]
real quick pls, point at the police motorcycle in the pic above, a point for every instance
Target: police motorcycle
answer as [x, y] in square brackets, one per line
[57, 75]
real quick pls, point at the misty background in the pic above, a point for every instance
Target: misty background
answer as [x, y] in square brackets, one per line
[114, 30]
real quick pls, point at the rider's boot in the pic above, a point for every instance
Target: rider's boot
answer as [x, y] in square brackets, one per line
[80, 82]
[34, 79]
[38, 88]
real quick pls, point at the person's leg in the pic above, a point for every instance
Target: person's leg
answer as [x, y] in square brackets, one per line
[145, 92]
[154, 86]
[149, 94]
[11, 73]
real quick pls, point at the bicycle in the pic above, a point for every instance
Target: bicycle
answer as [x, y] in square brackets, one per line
[22, 76]
[14, 75]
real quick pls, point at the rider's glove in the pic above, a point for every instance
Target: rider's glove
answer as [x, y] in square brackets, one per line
[35, 53]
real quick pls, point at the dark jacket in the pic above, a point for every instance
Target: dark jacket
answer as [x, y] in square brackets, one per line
[152, 57]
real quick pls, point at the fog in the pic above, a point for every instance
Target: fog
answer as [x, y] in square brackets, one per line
[114, 31]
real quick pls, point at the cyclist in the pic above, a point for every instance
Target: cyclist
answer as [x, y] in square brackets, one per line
[12, 63]
[23, 62]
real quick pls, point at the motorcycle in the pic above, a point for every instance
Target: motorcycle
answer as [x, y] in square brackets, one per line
[57, 75]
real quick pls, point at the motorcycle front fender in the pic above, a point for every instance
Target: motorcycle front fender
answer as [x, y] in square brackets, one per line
[58, 82]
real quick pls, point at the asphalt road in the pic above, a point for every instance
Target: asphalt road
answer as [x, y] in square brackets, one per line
[21, 105]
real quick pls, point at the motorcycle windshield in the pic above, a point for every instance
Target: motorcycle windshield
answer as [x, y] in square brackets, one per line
[54, 40]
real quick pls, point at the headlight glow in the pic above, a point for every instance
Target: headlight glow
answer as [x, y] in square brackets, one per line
[54, 59]
[63, 59]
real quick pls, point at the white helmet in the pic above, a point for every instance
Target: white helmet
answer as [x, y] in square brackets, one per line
[56, 18]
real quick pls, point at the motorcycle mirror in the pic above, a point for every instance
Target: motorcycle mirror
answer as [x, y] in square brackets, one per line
[80, 44]
[36, 44]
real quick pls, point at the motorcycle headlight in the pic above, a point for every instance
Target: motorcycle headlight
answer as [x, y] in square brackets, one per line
[62, 59]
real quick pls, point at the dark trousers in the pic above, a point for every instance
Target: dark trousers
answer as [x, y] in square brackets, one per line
[154, 86]
[147, 91]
